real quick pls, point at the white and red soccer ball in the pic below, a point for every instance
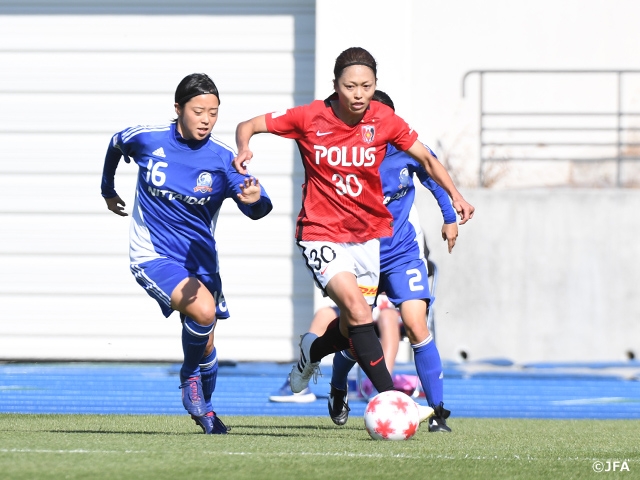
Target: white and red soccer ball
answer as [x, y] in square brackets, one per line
[391, 415]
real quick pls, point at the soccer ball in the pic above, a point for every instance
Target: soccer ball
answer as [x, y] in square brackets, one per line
[391, 415]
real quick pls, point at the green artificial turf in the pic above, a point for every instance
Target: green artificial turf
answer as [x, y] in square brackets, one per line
[172, 447]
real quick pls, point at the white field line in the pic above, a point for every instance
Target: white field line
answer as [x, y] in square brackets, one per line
[310, 454]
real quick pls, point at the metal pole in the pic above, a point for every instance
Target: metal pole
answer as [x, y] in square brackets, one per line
[619, 155]
[481, 127]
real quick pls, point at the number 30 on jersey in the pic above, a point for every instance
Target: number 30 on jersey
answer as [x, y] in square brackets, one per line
[348, 185]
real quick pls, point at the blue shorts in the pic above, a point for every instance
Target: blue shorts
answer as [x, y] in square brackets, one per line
[161, 276]
[409, 281]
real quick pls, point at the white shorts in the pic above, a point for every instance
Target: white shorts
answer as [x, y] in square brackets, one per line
[325, 259]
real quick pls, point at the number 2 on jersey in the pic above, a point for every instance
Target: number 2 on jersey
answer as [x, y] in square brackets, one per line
[416, 276]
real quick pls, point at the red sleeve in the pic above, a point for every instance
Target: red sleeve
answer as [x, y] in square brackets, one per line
[289, 124]
[402, 135]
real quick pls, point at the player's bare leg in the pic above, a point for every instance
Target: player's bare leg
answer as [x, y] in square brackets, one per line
[389, 335]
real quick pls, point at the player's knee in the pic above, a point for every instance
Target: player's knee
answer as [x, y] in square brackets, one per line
[416, 333]
[358, 315]
[204, 313]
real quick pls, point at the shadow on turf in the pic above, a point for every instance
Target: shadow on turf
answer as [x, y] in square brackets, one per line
[296, 427]
[286, 428]
[113, 432]
[173, 434]
[289, 430]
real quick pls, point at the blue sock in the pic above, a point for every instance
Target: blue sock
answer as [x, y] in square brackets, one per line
[209, 375]
[429, 367]
[194, 342]
[343, 362]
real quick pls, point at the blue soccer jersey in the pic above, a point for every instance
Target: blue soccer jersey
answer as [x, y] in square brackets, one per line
[180, 189]
[402, 255]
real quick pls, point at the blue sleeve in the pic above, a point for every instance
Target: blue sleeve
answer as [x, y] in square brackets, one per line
[111, 160]
[439, 194]
[254, 210]
[258, 209]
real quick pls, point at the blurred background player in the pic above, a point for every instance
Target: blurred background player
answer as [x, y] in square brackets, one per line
[386, 319]
[184, 175]
[342, 144]
[404, 280]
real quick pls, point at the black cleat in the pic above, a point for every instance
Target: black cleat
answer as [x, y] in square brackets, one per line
[338, 406]
[437, 423]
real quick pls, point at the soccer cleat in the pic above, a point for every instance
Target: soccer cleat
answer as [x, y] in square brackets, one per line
[424, 412]
[437, 423]
[285, 395]
[211, 424]
[192, 397]
[407, 384]
[302, 372]
[338, 405]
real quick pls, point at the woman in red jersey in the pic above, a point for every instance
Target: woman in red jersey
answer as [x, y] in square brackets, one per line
[342, 143]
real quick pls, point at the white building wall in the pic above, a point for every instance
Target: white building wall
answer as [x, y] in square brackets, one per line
[539, 275]
[72, 75]
[74, 72]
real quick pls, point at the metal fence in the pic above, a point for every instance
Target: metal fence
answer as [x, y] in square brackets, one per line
[566, 115]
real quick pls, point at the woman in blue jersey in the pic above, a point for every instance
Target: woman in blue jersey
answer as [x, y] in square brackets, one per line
[184, 175]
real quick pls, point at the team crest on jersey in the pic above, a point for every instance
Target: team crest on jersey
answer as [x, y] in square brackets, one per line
[368, 132]
[204, 183]
[404, 178]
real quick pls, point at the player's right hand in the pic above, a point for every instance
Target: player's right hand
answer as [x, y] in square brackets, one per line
[241, 162]
[116, 205]
[450, 234]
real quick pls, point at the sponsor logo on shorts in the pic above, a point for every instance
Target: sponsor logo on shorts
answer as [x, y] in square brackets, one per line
[368, 291]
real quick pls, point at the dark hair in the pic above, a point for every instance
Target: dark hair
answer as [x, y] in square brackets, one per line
[380, 96]
[354, 56]
[194, 85]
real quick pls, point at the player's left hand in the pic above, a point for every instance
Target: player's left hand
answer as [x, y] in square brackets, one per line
[450, 234]
[116, 205]
[464, 209]
[249, 191]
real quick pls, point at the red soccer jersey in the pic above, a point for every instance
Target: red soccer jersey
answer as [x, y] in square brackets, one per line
[342, 195]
